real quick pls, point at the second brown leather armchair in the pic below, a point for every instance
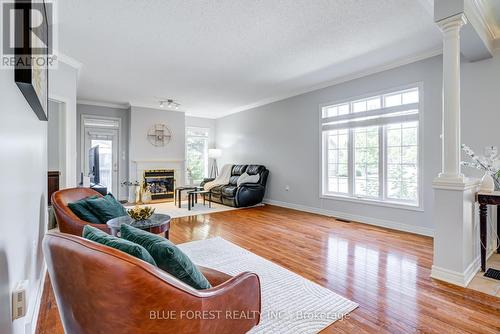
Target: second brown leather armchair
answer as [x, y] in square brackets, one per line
[67, 221]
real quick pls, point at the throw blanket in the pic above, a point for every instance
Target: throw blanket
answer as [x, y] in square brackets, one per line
[220, 180]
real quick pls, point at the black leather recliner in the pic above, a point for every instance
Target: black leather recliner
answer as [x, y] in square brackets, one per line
[247, 194]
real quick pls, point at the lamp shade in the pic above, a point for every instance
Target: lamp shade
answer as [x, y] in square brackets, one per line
[214, 153]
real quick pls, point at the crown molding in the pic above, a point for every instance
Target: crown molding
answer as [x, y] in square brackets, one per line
[103, 104]
[68, 60]
[346, 78]
[72, 62]
[478, 12]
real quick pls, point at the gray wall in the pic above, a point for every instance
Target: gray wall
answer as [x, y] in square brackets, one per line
[285, 137]
[481, 105]
[23, 197]
[124, 115]
[53, 136]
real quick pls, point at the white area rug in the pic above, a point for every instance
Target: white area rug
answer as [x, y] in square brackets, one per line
[169, 208]
[290, 303]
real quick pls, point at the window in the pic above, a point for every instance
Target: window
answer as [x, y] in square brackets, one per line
[197, 153]
[370, 148]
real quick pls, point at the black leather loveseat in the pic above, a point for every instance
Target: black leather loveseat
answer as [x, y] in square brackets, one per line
[247, 194]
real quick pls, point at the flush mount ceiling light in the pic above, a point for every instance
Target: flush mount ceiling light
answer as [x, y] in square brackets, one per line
[169, 104]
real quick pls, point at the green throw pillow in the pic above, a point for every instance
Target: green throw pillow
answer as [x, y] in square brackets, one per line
[106, 208]
[126, 246]
[82, 210]
[168, 256]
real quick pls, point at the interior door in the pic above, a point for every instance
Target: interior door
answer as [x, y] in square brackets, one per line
[108, 156]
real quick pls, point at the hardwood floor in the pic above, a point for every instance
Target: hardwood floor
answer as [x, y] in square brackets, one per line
[386, 272]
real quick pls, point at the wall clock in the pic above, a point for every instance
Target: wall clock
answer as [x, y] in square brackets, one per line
[159, 135]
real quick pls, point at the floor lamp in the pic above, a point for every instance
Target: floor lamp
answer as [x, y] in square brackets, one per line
[214, 153]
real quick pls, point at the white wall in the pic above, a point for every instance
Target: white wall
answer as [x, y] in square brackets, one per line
[62, 88]
[123, 115]
[140, 149]
[284, 136]
[23, 199]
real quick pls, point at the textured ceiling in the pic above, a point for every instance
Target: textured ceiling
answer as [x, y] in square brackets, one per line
[218, 56]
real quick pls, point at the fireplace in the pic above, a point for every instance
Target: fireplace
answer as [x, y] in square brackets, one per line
[161, 182]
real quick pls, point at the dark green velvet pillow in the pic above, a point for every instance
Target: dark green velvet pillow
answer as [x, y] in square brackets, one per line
[167, 256]
[106, 208]
[82, 210]
[126, 246]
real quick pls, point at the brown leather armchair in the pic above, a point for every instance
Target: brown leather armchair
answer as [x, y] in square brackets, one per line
[102, 290]
[67, 221]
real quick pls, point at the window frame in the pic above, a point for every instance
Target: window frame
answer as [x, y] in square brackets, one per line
[382, 200]
[207, 162]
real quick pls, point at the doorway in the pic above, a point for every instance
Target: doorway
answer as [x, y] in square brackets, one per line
[102, 132]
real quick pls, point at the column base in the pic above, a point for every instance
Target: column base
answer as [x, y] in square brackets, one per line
[456, 235]
[458, 278]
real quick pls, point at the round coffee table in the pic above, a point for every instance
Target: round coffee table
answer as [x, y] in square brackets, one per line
[157, 223]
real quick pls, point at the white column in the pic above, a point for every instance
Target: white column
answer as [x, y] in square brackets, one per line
[451, 98]
[455, 234]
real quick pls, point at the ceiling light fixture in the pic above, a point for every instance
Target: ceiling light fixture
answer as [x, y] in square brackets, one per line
[169, 104]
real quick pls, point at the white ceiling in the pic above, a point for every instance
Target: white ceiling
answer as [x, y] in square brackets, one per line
[221, 56]
[495, 9]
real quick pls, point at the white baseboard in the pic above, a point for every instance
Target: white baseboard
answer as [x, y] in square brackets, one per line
[32, 317]
[455, 277]
[357, 218]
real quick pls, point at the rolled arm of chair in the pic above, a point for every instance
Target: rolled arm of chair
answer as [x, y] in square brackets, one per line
[232, 307]
[249, 194]
[70, 223]
[239, 302]
[213, 276]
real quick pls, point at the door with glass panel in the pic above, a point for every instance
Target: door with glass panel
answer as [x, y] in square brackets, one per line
[107, 140]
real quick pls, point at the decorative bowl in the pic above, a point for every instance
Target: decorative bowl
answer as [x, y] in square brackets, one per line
[140, 213]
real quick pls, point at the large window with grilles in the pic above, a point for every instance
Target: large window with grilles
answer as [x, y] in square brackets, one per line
[370, 147]
[196, 153]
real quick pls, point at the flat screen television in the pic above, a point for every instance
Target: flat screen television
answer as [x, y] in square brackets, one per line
[94, 174]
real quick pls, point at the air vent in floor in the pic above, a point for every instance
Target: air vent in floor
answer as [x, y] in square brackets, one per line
[492, 273]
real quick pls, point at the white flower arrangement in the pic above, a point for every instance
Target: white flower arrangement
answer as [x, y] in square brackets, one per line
[488, 163]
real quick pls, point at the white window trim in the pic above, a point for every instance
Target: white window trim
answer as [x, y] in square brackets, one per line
[420, 157]
[208, 147]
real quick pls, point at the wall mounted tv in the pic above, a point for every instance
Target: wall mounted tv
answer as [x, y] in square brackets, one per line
[94, 174]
